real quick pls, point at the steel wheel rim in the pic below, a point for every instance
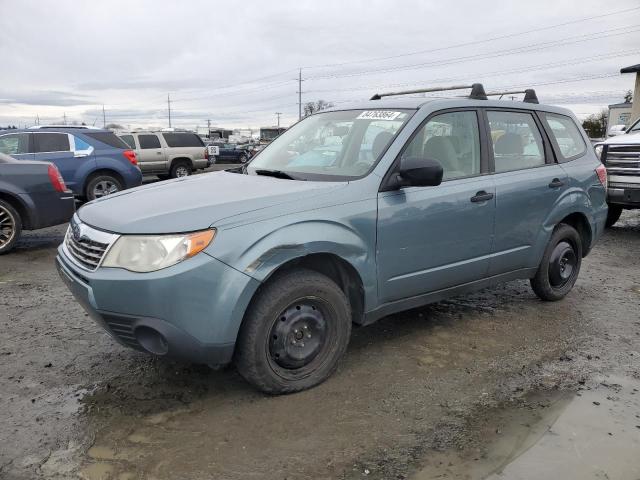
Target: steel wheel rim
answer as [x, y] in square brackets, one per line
[182, 171]
[7, 227]
[563, 263]
[103, 188]
[298, 335]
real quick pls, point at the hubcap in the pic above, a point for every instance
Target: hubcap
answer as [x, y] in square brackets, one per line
[298, 334]
[7, 227]
[104, 187]
[562, 264]
[182, 171]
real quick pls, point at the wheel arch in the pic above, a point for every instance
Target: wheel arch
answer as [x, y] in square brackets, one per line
[102, 171]
[180, 159]
[20, 207]
[579, 221]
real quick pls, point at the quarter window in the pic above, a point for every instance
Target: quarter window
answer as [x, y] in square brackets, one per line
[148, 141]
[183, 140]
[453, 140]
[517, 143]
[51, 142]
[128, 139]
[14, 144]
[566, 134]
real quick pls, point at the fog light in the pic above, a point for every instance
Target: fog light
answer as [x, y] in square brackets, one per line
[152, 340]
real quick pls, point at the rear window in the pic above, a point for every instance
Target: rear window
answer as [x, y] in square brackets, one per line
[52, 142]
[568, 139]
[107, 138]
[148, 141]
[183, 140]
[128, 139]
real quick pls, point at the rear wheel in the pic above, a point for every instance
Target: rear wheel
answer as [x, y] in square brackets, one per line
[10, 227]
[294, 333]
[613, 215]
[102, 185]
[180, 169]
[560, 265]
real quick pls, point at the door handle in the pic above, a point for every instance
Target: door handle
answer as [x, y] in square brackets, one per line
[556, 183]
[481, 196]
[158, 153]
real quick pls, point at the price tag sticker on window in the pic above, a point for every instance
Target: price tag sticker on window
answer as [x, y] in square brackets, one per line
[378, 115]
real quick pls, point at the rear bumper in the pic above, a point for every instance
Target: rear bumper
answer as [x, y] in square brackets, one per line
[48, 209]
[191, 311]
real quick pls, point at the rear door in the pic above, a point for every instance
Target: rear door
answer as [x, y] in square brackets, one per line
[186, 145]
[152, 156]
[528, 184]
[56, 148]
[17, 145]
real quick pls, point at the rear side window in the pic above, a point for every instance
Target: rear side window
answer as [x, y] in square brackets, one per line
[568, 140]
[107, 138]
[14, 143]
[183, 140]
[128, 139]
[148, 141]
[517, 143]
[51, 142]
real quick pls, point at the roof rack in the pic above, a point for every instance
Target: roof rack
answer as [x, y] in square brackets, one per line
[477, 91]
[529, 95]
[82, 127]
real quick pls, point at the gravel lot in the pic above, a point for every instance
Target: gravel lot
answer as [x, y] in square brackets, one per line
[459, 389]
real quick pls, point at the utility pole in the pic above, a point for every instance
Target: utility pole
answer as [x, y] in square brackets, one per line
[37, 119]
[169, 107]
[300, 94]
[104, 118]
[278, 114]
[208, 128]
[64, 116]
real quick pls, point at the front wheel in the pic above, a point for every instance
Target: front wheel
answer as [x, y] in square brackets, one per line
[613, 215]
[294, 333]
[243, 158]
[560, 265]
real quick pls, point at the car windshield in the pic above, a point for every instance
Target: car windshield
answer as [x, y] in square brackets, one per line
[635, 127]
[332, 146]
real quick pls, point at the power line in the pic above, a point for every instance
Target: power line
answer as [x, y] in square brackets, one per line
[475, 42]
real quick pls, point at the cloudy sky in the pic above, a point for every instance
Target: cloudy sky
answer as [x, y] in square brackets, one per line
[237, 64]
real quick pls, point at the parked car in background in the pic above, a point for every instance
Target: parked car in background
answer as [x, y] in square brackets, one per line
[233, 153]
[33, 195]
[621, 156]
[93, 162]
[270, 266]
[167, 154]
[616, 130]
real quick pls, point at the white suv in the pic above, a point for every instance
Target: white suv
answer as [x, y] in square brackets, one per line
[167, 154]
[621, 156]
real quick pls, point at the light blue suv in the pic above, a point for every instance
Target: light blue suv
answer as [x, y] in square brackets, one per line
[330, 225]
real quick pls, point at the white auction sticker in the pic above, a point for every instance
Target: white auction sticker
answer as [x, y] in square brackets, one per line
[378, 115]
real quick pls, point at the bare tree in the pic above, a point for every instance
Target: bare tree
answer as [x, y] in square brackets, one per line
[595, 125]
[313, 107]
[628, 97]
[114, 126]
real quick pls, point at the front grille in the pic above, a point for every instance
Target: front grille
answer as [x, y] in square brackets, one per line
[87, 252]
[622, 159]
[121, 327]
[86, 246]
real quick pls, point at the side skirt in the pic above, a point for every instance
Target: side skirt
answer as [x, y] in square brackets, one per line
[438, 295]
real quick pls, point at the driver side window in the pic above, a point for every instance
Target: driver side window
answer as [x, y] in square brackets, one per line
[453, 140]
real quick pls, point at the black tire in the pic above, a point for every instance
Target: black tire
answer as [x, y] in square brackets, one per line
[294, 333]
[179, 167]
[613, 215]
[243, 158]
[10, 227]
[163, 177]
[102, 185]
[560, 265]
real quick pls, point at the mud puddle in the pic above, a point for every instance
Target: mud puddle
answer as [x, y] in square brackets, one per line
[594, 433]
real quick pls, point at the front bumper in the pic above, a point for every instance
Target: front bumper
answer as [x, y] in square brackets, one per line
[627, 196]
[190, 311]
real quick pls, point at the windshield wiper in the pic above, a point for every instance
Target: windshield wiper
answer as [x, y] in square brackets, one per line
[276, 174]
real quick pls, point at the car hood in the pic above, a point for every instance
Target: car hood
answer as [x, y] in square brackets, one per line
[195, 203]
[633, 138]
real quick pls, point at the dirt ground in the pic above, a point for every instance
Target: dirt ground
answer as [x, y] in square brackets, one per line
[481, 386]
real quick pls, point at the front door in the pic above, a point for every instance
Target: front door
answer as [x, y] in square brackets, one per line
[151, 156]
[528, 184]
[431, 238]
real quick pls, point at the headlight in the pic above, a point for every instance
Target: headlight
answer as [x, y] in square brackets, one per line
[598, 149]
[147, 253]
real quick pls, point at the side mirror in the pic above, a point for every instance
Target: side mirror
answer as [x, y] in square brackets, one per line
[419, 172]
[624, 129]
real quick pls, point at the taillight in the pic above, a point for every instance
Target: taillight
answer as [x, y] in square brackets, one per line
[131, 156]
[206, 153]
[56, 179]
[601, 171]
